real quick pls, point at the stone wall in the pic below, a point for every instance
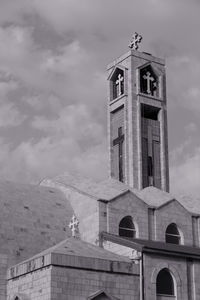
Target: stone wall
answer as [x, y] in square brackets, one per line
[174, 213]
[32, 286]
[79, 284]
[3, 271]
[178, 268]
[58, 283]
[149, 223]
[127, 205]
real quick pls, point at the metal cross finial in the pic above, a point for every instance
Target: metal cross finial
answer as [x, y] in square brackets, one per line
[136, 39]
[73, 225]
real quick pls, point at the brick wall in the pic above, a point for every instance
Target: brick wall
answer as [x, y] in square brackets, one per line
[79, 284]
[125, 205]
[3, 271]
[174, 213]
[35, 285]
[59, 283]
[178, 268]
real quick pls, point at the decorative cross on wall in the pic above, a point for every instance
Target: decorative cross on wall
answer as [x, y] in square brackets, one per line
[148, 78]
[119, 83]
[119, 141]
[73, 225]
[136, 39]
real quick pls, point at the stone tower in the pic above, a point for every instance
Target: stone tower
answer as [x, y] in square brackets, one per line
[137, 120]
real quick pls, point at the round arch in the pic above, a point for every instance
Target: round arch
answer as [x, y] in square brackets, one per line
[127, 227]
[166, 284]
[173, 234]
[171, 269]
[175, 275]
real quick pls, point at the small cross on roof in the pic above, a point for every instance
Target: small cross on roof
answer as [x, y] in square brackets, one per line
[136, 39]
[73, 225]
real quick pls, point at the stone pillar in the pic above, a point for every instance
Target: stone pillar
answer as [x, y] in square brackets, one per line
[3, 275]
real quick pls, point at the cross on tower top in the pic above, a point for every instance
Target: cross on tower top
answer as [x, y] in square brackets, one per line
[73, 225]
[136, 39]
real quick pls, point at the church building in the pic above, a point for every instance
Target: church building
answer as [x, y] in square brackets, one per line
[124, 238]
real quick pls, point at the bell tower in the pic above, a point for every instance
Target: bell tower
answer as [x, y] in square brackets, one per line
[137, 119]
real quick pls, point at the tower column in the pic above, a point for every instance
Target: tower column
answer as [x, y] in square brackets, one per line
[137, 107]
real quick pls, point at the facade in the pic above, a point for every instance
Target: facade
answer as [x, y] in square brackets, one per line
[131, 239]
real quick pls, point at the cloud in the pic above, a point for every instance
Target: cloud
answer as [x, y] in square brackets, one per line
[73, 142]
[183, 80]
[13, 11]
[69, 57]
[45, 103]
[185, 177]
[6, 87]
[31, 162]
[10, 115]
[53, 57]
[190, 128]
[74, 122]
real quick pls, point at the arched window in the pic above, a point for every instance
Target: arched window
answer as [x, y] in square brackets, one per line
[165, 284]
[148, 81]
[127, 228]
[172, 234]
[117, 83]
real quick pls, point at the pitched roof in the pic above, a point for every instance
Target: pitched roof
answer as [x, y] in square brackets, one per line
[153, 246]
[75, 253]
[190, 203]
[154, 196]
[110, 188]
[74, 246]
[105, 190]
[101, 293]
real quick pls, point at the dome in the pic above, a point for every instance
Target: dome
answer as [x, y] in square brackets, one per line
[33, 218]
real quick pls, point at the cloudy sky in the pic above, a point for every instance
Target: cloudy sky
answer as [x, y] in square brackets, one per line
[53, 57]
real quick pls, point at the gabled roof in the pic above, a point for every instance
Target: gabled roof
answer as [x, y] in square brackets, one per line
[154, 196]
[190, 203]
[101, 293]
[120, 67]
[110, 189]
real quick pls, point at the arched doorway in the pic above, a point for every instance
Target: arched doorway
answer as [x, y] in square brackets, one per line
[165, 286]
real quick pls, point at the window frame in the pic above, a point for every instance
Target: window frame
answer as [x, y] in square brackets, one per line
[172, 288]
[128, 229]
[160, 78]
[177, 235]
